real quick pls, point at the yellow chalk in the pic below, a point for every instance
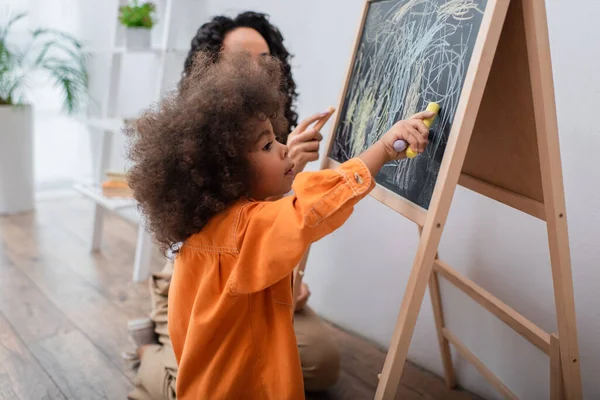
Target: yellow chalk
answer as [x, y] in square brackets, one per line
[435, 107]
[410, 153]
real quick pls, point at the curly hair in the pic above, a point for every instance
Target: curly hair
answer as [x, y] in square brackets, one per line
[210, 36]
[190, 152]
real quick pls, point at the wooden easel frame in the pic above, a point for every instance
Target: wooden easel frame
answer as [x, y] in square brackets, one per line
[547, 204]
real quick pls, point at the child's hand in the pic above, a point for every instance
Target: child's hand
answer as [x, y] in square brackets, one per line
[411, 130]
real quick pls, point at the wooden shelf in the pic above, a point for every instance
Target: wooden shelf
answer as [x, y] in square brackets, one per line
[107, 124]
[128, 50]
[110, 203]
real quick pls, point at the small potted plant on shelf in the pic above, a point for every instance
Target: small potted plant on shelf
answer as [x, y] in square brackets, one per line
[139, 20]
[49, 54]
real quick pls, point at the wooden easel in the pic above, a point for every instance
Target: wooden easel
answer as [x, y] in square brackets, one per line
[503, 145]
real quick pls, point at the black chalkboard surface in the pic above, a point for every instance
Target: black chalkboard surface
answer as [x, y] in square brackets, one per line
[410, 52]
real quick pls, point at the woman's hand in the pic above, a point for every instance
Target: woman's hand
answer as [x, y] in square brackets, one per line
[302, 297]
[303, 143]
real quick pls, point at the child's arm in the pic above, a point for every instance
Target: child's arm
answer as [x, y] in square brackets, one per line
[273, 235]
[413, 130]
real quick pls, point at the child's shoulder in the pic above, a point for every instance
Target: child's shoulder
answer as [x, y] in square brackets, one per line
[220, 233]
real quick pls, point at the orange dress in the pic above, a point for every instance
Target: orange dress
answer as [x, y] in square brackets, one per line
[230, 300]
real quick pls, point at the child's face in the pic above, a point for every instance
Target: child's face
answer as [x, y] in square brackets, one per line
[273, 172]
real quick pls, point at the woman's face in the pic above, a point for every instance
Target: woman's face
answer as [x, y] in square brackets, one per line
[246, 39]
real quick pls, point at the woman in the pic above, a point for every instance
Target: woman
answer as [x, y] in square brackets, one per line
[250, 32]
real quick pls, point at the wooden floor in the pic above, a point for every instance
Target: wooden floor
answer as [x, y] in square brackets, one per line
[63, 314]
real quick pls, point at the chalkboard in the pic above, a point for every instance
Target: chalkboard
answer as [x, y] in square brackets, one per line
[410, 52]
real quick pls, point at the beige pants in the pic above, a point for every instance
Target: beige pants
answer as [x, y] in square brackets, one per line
[157, 373]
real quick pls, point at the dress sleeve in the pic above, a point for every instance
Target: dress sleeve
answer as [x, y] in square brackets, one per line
[273, 236]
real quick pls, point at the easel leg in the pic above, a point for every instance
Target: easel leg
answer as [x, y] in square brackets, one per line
[407, 317]
[438, 315]
[556, 375]
[540, 69]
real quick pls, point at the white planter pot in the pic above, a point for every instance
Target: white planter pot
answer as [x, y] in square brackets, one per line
[138, 38]
[16, 159]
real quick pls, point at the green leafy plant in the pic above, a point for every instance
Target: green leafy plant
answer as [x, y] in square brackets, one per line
[55, 53]
[136, 15]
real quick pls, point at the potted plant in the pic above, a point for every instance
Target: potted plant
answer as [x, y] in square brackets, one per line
[139, 20]
[49, 54]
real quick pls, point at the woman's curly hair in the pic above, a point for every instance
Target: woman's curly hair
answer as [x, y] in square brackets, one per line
[190, 152]
[210, 36]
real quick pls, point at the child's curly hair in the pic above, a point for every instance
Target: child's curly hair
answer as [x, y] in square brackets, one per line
[190, 153]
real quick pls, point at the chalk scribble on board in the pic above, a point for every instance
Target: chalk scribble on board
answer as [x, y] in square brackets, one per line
[410, 52]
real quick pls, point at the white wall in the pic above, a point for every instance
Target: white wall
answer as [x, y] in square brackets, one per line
[358, 274]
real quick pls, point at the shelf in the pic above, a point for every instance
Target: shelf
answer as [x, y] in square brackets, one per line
[127, 50]
[107, 124]
[110, 203]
